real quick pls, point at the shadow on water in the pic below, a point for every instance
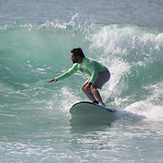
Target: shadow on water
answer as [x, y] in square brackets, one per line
[91, 122]
[101, 120]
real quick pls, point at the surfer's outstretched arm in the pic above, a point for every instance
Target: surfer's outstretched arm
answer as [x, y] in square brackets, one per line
[52, 80]
[66, 74]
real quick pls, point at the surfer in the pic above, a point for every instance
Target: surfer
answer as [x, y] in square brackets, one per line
[98, 75]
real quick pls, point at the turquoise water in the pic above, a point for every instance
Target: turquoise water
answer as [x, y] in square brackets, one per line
[35, 123]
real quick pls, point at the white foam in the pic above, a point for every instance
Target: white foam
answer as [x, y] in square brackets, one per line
[146, 109]
[118, 41]
[122, 48]
[64, 99]
[60, 25]
[159, 38]
[68, 99]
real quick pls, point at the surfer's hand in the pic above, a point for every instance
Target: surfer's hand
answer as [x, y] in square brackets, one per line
[53, 80]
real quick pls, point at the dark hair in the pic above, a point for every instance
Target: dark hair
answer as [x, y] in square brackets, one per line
[78, 52]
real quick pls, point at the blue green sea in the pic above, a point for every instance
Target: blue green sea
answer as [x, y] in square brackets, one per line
[36, 38]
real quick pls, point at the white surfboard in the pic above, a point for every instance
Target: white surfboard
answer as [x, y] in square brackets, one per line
[88, 108]
[91, 114]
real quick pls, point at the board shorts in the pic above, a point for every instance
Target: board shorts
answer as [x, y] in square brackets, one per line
[102, 78]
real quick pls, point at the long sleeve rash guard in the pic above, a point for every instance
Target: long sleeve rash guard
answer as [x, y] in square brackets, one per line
[88, 66]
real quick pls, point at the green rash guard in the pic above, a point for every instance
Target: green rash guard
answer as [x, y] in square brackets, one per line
[90, 67]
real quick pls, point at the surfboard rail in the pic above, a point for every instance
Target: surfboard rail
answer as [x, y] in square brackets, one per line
[87, 104]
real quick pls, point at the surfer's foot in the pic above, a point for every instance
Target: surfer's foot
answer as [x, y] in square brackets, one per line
[98, 103]
[101, 104]
[95, 102]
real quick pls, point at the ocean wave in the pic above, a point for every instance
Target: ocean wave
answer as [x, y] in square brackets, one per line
[32, 53]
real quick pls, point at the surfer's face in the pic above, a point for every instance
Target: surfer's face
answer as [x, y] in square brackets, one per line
[76, 58]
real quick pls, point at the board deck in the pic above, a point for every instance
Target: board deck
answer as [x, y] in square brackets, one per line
[87, 107]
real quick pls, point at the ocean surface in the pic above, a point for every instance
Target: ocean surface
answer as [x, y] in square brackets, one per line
[36, 37]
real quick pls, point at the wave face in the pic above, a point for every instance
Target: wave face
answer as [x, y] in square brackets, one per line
[34, 113]
[30, 55]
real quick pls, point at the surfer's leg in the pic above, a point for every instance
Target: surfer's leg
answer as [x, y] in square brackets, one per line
[100, 81]
[88, 92]
[96, 94]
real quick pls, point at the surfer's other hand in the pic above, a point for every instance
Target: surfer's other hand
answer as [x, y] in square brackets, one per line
[53, 80]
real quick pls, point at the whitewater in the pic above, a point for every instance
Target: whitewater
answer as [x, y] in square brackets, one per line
[35, 123]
